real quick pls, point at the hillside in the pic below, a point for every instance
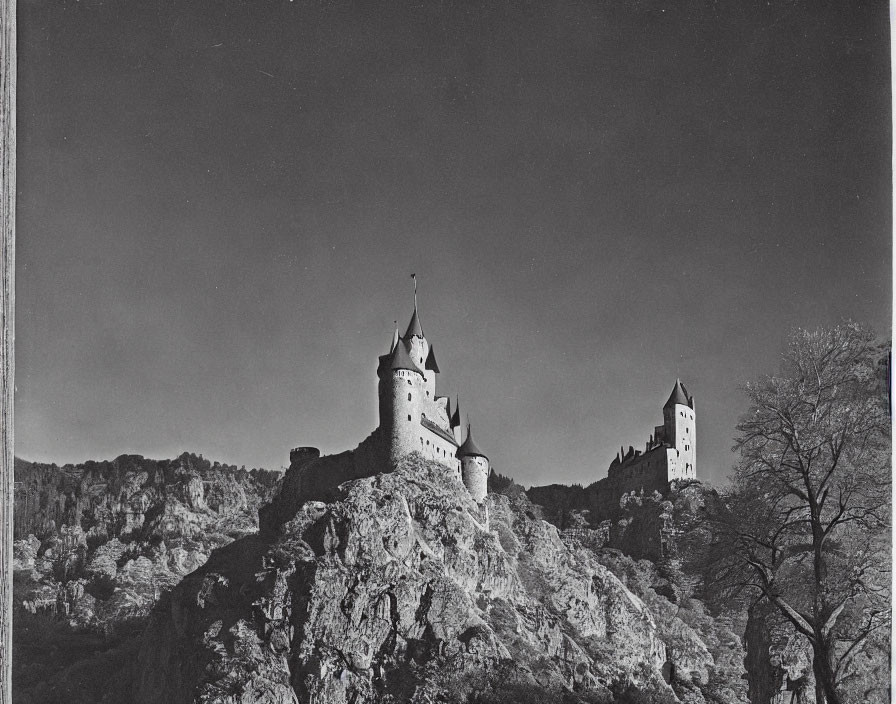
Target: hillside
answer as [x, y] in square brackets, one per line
[403, 589]
[98, 543]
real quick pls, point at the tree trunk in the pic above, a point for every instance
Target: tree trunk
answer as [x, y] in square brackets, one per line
[825, 689]
[763, 679]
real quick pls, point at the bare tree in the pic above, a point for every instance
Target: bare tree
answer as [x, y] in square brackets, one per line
[809, 514]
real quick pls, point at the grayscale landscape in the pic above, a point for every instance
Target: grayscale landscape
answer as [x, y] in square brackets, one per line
[457, 353]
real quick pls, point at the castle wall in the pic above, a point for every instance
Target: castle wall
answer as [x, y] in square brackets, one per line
[645, 473]
[311, 478]
[475, 476]
[406, 391]
[434, 447]
[683, 431]
[410, 405]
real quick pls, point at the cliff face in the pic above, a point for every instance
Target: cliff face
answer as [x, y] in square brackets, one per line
[654, 546]
[401, 589]
[97, 543]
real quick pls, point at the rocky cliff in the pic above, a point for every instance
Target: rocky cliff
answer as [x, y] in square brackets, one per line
[401, 589]
[96, 546]
[98, 542]
[656, 545]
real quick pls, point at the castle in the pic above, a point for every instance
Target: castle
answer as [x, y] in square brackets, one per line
[413, 418]
[669, 454]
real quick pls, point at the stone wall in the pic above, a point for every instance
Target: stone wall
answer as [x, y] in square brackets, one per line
[643, 474]
[683, 435]
[475, 471]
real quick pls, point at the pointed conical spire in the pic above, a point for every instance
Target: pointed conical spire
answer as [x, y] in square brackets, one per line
[469, 448]
[395, 338]
[455, 419]
[431, 362]
[401, 358]
[414, 327]
[679, 395]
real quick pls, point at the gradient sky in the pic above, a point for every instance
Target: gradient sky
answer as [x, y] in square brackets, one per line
[221, 203]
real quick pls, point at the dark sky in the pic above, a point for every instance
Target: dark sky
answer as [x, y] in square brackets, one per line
[221, 204]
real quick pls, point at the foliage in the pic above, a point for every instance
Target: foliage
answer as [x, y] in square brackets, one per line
[808, 526]
[498, 483]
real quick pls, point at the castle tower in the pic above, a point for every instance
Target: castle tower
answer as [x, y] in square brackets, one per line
[400, 387]
[474, 468]
[412, 417]
[679, 430]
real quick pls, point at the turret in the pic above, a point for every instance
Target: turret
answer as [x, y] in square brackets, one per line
[454, 422]
[474, 468]
[412, 417]
[302, 455]
[401, 384]
[679, 429]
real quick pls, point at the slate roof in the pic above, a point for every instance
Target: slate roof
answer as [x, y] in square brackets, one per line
[679, 395]
[469, 448]
[455, 417]
[431, 362]
[401, 358]
[414, 327]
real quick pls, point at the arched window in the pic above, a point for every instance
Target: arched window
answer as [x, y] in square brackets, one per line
[409, 397]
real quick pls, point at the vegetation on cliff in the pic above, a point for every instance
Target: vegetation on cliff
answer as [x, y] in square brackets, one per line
[794, 557]
[402, 589]
[96, 546]
[808, 526]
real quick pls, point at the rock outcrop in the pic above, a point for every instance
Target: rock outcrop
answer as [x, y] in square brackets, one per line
[655, 546]
[400, 589]
[97, 543]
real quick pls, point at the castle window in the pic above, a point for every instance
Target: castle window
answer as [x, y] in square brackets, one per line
[409, 397]
[409, 382]
[409, 417]
[427, 443]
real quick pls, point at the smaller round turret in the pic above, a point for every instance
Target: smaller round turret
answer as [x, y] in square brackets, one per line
[474, 468]
[301, 455]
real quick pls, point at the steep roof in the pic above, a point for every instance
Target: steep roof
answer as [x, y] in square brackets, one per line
[431, 362]
[455, 418]
[395, 338]
[401, 358]
[679, 396]
[414, 327]
[469, 448]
